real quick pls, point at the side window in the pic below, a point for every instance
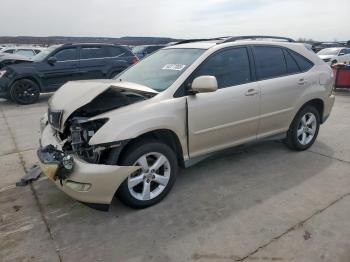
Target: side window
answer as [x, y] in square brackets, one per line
[67, 54]
[303, 63]
[230, 67]
[113, 51]
[269, 61]
[25, 52]
[92, 52]
[292, 66]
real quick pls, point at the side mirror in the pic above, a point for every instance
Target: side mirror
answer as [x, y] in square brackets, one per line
[204, 84]
[340, 54]
[52, 60]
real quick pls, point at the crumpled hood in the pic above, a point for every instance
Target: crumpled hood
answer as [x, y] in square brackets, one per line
[76, 94]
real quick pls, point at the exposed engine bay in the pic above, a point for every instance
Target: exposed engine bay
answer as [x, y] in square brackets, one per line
[78, 129]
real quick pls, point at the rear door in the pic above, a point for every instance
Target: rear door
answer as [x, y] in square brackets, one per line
[92, 62]
[229, 115]
[65, 69]
[282, 82]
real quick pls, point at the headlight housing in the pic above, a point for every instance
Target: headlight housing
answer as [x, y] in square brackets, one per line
[81, 132]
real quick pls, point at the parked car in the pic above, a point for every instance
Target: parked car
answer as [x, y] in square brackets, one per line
[59, 64]
[142, 51]
[335, 55]
[22, 50]
[319, 46]
[128, 136]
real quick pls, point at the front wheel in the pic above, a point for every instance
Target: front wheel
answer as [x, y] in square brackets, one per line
[24, 92]
[303, 131]
[153, 181]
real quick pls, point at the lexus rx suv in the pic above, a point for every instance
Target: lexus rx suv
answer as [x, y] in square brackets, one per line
[58, 64]
[128, 136]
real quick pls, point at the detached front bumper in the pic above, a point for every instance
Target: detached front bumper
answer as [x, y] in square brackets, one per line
[88, 183]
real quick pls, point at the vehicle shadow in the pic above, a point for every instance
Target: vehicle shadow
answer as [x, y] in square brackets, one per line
[217, 189]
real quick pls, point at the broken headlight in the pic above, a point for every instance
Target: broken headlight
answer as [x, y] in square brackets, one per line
[82, 131]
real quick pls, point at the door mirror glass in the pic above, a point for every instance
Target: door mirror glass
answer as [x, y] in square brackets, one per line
[204, 84]
[52, 60]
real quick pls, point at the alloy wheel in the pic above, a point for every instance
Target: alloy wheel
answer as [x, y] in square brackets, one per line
[25, 92]
[307, 128]
[152, 178]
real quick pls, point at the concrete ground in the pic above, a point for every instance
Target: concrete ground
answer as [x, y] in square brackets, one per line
[253, 203]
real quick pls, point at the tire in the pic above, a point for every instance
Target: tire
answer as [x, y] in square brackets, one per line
[24, 92]
[304, 129]
[133, 191]
[334, 62]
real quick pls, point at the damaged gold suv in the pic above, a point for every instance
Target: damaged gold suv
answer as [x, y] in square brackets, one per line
[127, 136]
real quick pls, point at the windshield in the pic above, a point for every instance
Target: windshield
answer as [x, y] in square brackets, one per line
[329, 51]
[44, 53]
[160, 70]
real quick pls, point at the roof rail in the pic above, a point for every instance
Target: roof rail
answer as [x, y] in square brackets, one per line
[198, 40]
[255, 37]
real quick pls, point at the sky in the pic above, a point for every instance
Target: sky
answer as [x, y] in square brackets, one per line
[312, 19]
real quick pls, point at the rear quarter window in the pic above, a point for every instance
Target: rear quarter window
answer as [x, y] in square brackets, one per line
[303, 63]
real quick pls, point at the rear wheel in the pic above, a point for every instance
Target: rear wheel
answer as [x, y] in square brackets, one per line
[24, 92]
[153, 181]
[304, 129]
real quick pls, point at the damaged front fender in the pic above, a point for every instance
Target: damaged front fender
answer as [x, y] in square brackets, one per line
[88, 183]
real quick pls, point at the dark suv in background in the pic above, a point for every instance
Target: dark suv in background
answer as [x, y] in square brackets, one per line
[58, 64]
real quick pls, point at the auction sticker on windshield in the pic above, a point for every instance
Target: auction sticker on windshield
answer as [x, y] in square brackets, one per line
[177, 67]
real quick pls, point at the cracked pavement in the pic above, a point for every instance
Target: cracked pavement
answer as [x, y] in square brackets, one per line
[260, 202]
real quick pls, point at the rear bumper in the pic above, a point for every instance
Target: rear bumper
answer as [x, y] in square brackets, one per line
[88, 183]
[328, 105]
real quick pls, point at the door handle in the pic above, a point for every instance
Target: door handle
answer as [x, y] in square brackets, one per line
[251, 92]
[302, 82]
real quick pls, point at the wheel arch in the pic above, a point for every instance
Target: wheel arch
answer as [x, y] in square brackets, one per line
[318, 104]
[166, 136]
[32, 78]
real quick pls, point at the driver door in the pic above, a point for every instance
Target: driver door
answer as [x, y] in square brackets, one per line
[230, 115]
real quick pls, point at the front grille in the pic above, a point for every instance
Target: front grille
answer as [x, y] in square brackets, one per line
[54, 117]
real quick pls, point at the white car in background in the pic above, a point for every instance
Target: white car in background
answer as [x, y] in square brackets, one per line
[22, 50]
[335, 55]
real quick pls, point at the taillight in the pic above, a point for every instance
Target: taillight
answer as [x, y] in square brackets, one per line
[135, 60]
